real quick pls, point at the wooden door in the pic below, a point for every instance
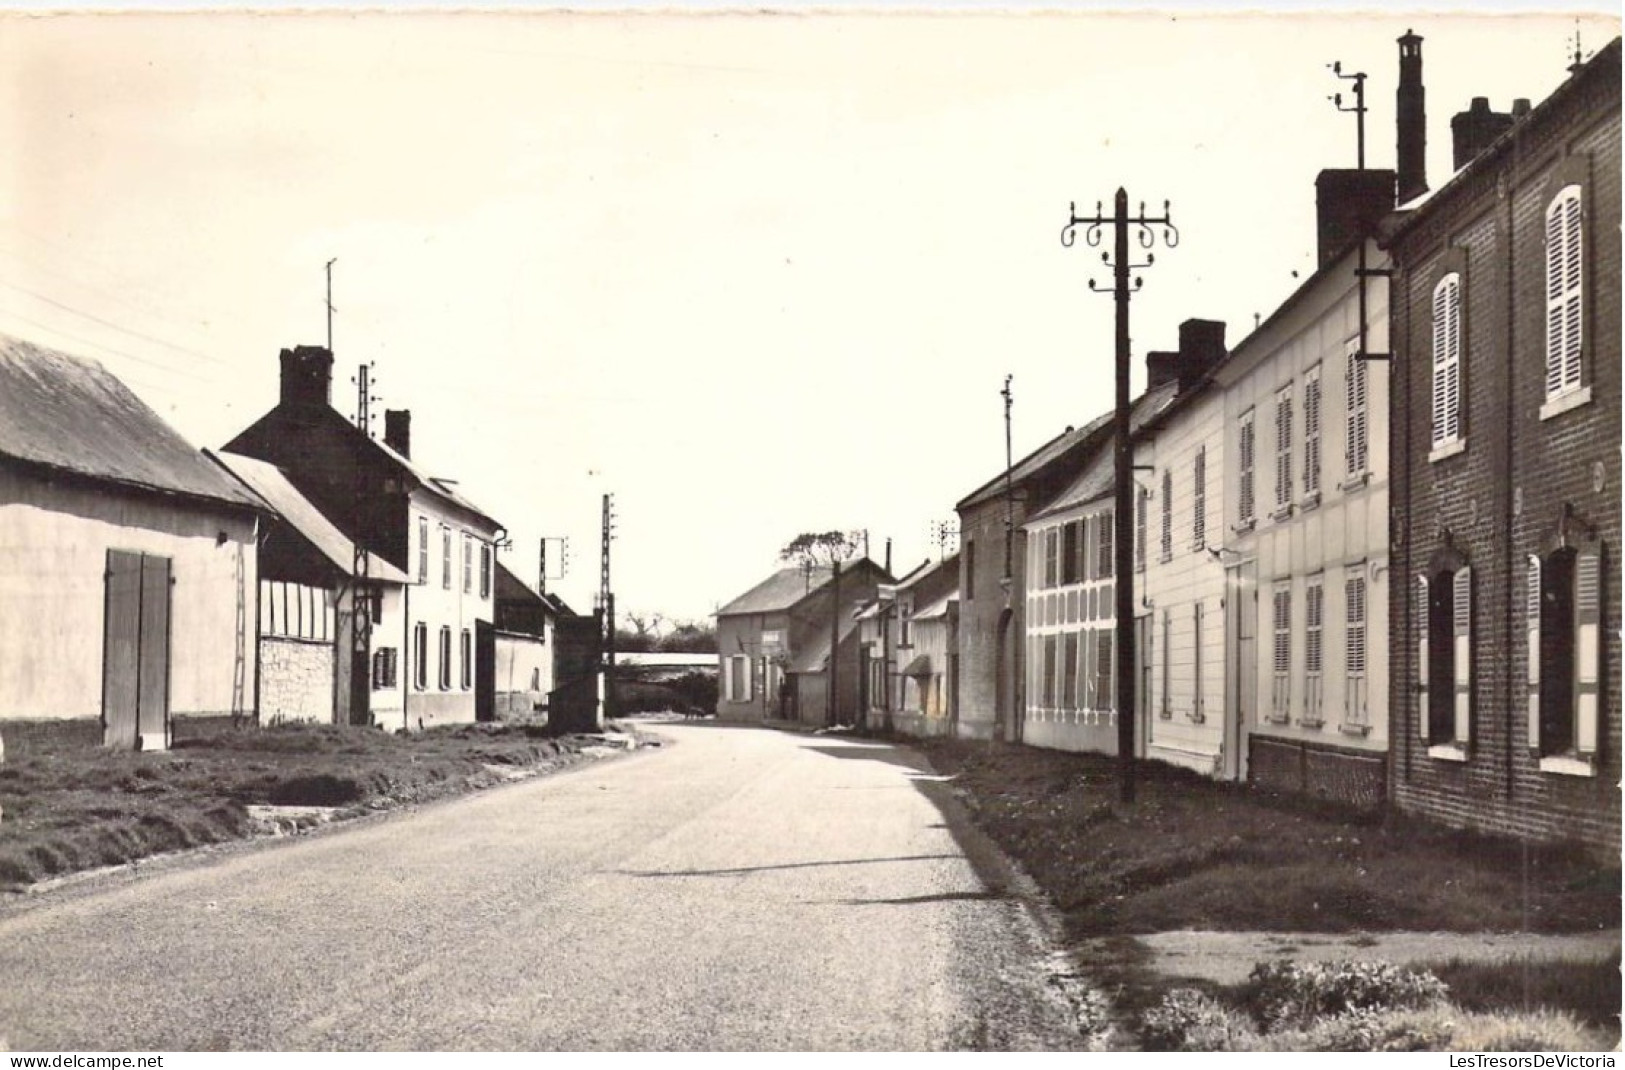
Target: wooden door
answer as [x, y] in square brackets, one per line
[485, 671]
[135, 651]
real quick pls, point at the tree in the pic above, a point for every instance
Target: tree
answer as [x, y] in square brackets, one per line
[690, 637]
[814, 549]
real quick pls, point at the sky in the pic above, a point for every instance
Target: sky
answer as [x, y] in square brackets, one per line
[752, 274]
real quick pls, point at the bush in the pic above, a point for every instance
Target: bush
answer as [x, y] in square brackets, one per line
[1190, 1020]
[1294, 995]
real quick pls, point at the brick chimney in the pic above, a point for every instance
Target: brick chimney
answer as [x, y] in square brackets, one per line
[1412, 115]
[307, 377]
[1472, 131]
[398, 431]
[1201, 347]
[1348, 204]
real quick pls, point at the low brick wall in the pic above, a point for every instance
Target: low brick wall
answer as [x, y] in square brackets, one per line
[296, 680]
[1357, 779]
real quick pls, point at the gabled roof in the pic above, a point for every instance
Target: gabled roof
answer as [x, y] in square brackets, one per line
[788, 586]
[510, 588]
[269, 482]
[938, 609]
[1035, 462]
[70, 414]
[1099, 476]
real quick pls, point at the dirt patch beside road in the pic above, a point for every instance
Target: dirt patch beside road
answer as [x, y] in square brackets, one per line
[88, 808]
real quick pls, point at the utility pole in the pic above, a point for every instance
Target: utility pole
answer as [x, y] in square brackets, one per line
[330, 264]
[1123, 543]
[607, 601]
[832, 716]
[1009, 492]
[1361, 271]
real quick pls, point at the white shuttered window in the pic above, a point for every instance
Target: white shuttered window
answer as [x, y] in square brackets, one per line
[1563, 288]
[1447, 360]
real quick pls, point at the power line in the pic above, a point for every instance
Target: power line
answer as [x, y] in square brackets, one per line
[108, 323]
[79, 340]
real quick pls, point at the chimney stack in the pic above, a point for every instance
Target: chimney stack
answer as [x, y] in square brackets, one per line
[1348, 205]
[1412, 116]
[307, 377]
[398, 431]
[1474, 130]
[1201, 347]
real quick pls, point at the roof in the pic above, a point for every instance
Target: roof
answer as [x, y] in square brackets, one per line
[938, 609]
[437, 485]
[920, 666]
[1099, 477]
[269, 482]
[70, 414]
[814, 656]
[788, 586]
[510, 588]
[1036, 461]
[1422, 206]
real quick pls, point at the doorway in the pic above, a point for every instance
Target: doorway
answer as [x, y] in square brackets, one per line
[135, 651]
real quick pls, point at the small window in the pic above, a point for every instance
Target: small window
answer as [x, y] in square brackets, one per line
[485, 571]
[467, 660]
[1564, 277]
[1283, 447]
[1199, 500]
[1105, 696]
[420, 656]
[383, 668]
[423, 549]
[1356, 713]
[1106, 545]
[1311, 432]
[1356, 449]
[1314, 650]
[1247, 456]
[1052, 557]
[1447, 361]
[1167, 514]
[445, 658]
[445, 558]
[468, 564]
[1071, 555]
[1281, 692]
[1565, 657]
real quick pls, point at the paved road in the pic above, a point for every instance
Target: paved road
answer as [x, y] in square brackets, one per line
[738, 889]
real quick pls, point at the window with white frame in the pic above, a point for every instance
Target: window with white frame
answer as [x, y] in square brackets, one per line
[1069, 670]
[420, 656]
[1199, 500]
[1052, 557]
[423, 549]
[1283, 447]
[1564, 271]
[1444, 650]
[1357, 454]
[468, 563]
[1447, 360]
[383, 668]
[1314, 649]
[445, 658]
[1105, 698]
[1281, 663]
[1565, 657]
[1247, 450]
[1311, 431]
[485, 571]
[1167, 704]
[445, 558]
[1167, 514]
[1072, 552]
[1197, 712]
[1356, 706]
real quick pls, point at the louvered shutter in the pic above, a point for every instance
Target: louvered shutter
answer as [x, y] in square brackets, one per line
[1532, 626]
[1247, 499]
[1462, 628]
[1311, 433]
[1587, 649]
[1423, 724]
[1563, 289]
[1354, 389]
[1283, 447]
[1447, 360]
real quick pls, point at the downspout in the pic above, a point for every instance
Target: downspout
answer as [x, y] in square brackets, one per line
[411, 659]
[1507, 509]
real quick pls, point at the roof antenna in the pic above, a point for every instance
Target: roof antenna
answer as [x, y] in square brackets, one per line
[1579, 60]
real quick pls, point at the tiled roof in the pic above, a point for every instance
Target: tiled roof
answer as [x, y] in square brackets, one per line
[269, 482]
[1099, 476]
[788, 586]
[71, 414]
[1036, 461]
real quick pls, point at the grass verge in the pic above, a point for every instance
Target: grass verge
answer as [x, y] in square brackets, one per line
[86, 808]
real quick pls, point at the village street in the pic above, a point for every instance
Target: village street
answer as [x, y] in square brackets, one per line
[735, 889]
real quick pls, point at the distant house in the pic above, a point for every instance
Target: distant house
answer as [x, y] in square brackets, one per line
[526, 642]
[780, 633]
[129, 564]
[924, 656]
[1506, 474]
[420, 524]
[309, 587]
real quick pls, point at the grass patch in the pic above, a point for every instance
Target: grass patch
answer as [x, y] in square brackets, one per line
[1588, 989]
[65, 812]
[1193, 853]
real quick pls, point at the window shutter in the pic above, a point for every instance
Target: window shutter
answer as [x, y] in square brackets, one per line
[1247, 503]
[1532, 625]
[1447, 360]
[1462, 596]
[1422, 726]
[1311, 433]
[1283, 447]
[1107, 524]
[1563, 288]
[1587, 648]
[1354, 388]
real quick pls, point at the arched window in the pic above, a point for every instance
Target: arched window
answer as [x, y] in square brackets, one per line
[1564, 652]
[1564, 272]
[1447, 360]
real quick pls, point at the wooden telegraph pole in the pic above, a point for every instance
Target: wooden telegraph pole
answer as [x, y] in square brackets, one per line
[1094, 231]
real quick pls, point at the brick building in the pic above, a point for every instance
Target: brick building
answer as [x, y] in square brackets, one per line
[1506, 470]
